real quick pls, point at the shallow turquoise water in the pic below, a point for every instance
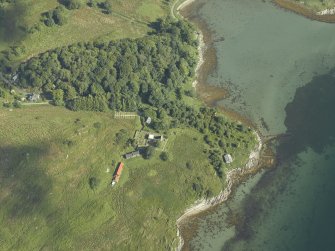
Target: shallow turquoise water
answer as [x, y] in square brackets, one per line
[266, 54]
[279, 68]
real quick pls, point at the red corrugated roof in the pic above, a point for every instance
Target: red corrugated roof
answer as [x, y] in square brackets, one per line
[119, 169]
[118, 172]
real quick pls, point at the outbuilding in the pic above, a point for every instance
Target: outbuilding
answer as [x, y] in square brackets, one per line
[228, 158]
[148, 121]
[32, 97]
[132, 155]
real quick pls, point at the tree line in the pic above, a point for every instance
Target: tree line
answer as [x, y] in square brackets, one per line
[124, 74]
[147, 74]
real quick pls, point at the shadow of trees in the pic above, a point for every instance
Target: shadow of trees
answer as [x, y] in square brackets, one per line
[25, 181]
[12, 25]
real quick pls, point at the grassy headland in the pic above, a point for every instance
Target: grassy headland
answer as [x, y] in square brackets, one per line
[48, 155]
[56, 165]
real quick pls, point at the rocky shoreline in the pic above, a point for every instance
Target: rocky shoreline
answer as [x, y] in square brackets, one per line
[184, 4]
[233, 175]
[201, 50]
[201, 45]
[326, 12]
[231, 180]
[326, 15]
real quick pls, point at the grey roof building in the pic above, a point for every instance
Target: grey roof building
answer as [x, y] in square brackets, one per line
[132, 155]
[33, 97]
[228, 158]
[148, 121]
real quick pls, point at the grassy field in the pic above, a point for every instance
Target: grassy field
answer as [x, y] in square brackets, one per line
[47, 157]
[128, 19]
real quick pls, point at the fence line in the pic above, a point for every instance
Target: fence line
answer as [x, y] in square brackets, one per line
[125, 115]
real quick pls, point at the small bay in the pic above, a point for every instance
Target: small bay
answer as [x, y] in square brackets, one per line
[278, 68]
[264, 54]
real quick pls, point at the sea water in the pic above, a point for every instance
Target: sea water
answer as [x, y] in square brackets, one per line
[279, 70]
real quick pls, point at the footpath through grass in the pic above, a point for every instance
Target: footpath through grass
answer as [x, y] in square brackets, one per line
[48, 156]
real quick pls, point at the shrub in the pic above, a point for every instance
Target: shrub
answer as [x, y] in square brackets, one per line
[107, 6]
[69, 143]
[121, 137]
[48, 20]
[57, 97]
[164, 156]
[189, 165]
[91, 3]
[59, 16]
[209, 194]
[7, 105]
[97, 125]
[93, 182]
[148, 152]
[190, 93]
[197, 188]
[156, 143]
[71, 4]
[17, 104]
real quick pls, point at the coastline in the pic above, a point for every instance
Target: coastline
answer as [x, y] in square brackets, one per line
[326, 15]
[232, 176]
[204, 204]
[209, 93]
[184, 4]
[201, 51]
[200, 38]
[232, 179]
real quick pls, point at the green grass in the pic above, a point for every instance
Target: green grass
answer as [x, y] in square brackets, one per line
[150, 10]
[129, 19]
[48, 154]
[45, 196]
[85, 24]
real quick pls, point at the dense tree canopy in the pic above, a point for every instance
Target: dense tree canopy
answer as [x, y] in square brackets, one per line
[124, 74]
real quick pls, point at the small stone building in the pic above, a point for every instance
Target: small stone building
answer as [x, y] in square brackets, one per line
[148, 121]
[228, 158]
[132, 155]
[32, 97]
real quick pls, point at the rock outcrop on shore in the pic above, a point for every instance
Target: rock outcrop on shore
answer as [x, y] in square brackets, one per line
[232, 177]
[326, 12]
[327, 15]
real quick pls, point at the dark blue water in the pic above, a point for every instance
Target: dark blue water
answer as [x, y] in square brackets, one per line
[292, 206]
[279, 68]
